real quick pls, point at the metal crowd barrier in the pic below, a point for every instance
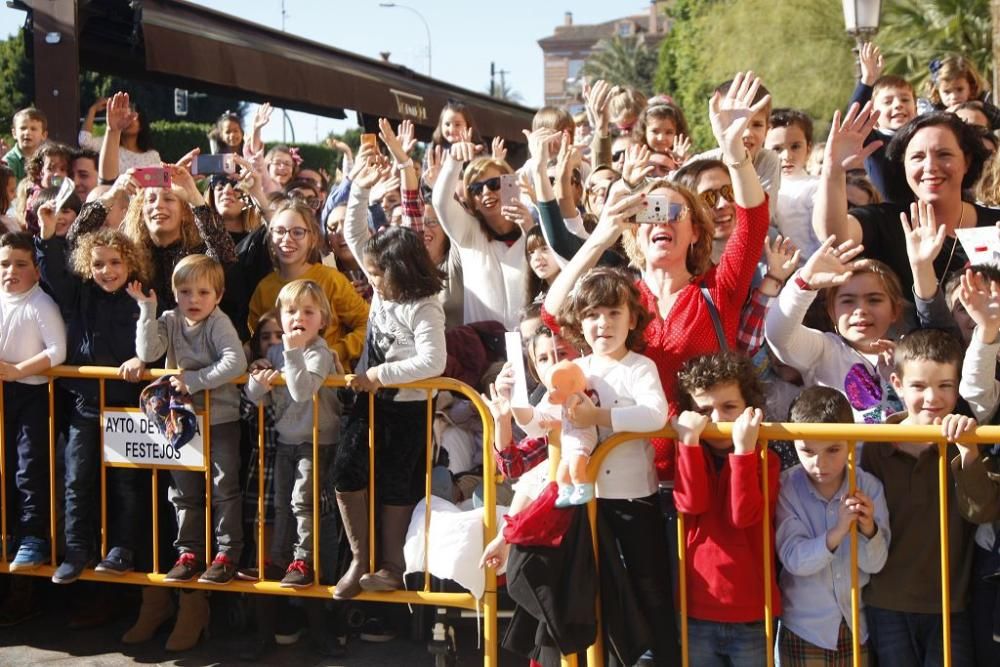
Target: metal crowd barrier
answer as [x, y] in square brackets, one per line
[853, 433]
[425, 596]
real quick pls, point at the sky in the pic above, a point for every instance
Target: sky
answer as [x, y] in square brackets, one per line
[465, 37]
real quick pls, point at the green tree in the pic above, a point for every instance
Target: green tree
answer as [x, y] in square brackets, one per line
[798, 47]
[17, 80]
[625, 61]
[915, 32]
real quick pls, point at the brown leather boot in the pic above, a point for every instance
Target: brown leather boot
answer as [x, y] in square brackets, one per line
[156, 609]
[354, 515]
[192, 621]
[389, 577]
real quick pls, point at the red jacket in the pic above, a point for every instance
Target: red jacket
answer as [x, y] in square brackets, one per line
[723, 515]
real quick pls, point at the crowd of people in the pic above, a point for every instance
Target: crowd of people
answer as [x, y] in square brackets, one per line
[767, 278]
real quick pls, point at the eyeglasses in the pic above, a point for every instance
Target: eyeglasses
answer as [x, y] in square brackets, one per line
[282, 163]
[476, 188]
[312, 202]
[429, 222]
[711, 197]
[297, 233]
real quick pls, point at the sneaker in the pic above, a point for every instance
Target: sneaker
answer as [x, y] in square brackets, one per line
[118, 561]
[30, 554]
[374, 631]
[221, 571]
[582, 494]
[298, 575]
[290, 625]
[185, 569]
[564, 495]
[71, 568]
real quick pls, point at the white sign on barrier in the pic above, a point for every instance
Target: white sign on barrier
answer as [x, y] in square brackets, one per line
[132, 438]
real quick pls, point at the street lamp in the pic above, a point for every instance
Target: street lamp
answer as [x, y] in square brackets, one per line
[422, 19]
[861, 18]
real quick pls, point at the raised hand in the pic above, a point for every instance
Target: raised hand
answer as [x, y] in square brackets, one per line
[134, 290]
[261, 117]
[47, 219]
[497, 402]
[120, 113]
[682, 148]
[731, 113]
[596, 96]
[872, 63]
[407, 134]
[465, 150]
[538, 145]
[688, 426]
[924, 238]
[435, 158]
[391, 141]
[498, 149]
[637, 165]
[371, 171]
[294, 340]
[830, 265]
[782, 257]
[845, 146]
[620, 208]
[182, 178]
[981, 299]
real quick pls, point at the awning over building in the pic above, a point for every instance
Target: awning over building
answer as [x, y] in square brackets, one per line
[201, 49]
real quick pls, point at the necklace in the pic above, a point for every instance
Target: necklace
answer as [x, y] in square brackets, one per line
[954, 244]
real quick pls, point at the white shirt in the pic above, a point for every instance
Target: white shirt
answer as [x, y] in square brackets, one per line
[30, 323]
[795, 208]
[126, 159]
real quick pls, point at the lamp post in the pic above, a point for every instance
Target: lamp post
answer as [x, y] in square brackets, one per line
[422, 20]
[862, 18]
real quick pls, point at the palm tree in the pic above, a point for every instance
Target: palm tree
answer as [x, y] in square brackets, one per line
[625, 61]
[915, 32]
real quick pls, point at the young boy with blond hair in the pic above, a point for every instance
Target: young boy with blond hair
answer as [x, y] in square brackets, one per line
[718, 490]
[814, 518]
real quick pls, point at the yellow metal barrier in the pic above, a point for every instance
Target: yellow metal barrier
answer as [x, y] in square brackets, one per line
[853, 433]
[425, 596]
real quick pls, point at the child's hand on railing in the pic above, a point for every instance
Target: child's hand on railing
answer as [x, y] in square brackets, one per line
[864, 511]
[745, 430]
[9, 372]
[178, 383]
[955, 426]
[688, 426]
[132, 370]
[264, 375]
[364, 382]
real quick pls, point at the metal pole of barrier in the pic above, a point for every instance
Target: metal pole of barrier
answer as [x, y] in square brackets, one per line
[372, 542]
[595, 652]
[943, 523]
[427, 489]
[768, 553]
[261, 519]
[490, 657]
[156, 520]
[852, 486]
[208, 477]
[3, 480]
[52, 470]
[104, 473]
[682, 586]
[315, 488]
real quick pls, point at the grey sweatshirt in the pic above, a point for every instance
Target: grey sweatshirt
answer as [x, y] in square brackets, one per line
[305, 370]
[210, 353]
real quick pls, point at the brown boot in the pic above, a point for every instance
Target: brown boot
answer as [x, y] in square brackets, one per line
[389, 577]
[157, 608]
[354, 515]
[192, 621]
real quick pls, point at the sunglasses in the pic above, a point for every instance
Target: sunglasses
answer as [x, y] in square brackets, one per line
[711, 197]
[575, 180]
[492, 184]
[617, 155]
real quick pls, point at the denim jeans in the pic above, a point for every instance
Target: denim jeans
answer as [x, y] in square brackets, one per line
[188, 497]
[82, 458]
[293, 500]
[712, 643]
[26, 433]
[904, 639]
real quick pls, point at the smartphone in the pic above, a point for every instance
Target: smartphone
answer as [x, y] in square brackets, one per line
[152, 177]
[369, 140]
[510, 190]
[657, 210]
[222, 163]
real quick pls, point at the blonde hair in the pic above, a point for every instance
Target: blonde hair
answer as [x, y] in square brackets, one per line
[476, 169]
[553, 118]
[134, 223]
[297, 290]
[622, 100]
[988, 187]
[699, 254]
[199, 267]
[955, 68]
[135, 256]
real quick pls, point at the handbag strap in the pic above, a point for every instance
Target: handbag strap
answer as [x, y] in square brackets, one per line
[713, 312]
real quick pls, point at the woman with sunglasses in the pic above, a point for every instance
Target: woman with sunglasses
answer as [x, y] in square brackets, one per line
[490, 238]
[678, 276]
